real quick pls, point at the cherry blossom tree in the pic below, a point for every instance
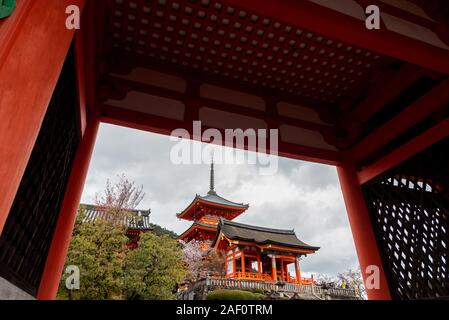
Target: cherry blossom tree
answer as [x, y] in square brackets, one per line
[193, 253]
[199, 260]
[119, 198]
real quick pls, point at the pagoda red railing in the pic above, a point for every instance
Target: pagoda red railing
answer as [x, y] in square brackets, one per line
[265, 277]
[250, 276]
[229, 283]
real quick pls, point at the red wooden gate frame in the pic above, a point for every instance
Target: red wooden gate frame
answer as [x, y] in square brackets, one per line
[33, 47]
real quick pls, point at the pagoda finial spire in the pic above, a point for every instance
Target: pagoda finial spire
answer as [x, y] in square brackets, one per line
[212, 178]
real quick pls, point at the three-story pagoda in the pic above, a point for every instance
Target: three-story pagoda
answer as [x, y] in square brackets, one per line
[252, 252]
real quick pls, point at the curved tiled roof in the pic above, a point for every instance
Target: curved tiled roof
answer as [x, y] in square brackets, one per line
[140, 219]
[197, 224]
[261, 235]
[212, 196]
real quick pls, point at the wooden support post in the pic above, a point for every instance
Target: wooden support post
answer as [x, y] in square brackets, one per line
[243, 262]
[298, 271]
[281, 264]
[67, 216]
[273, 267]
[259, 265]
[362, 232]
[233, 266]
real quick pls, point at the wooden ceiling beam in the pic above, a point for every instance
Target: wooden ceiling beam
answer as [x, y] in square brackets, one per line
[419, 110]
[382, 91]
[333, 24]
[161, 125]
[405, 151]
[401, 13]
[194, 101]
[124, 63]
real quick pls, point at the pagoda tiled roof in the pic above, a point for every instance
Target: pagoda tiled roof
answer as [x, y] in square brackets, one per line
[260, 235]
[213, 197]
[138, 219]
[197, 224]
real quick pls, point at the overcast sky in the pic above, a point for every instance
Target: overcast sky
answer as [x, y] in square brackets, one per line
[302, 196]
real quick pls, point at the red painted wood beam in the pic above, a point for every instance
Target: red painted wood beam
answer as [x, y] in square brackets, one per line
[66, 221]
[195, 102]
[92, 31]
[400, 13]
[129, 61]
[435, 99]
[362, 232]
[11, 26]
[309, 154]
[160, 125]
[88, 24]
[32, 52]
[404, 152]
[330, 23]
[382, 91]
[80, 80]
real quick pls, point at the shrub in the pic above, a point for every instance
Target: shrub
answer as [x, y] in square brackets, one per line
[223, 294]
[257, 290]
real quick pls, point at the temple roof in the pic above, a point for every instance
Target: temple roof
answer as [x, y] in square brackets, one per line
[260, 235]
[140, 219]
[198, 225]
[213, 199]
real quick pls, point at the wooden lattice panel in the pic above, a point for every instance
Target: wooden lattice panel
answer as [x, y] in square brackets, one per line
[220, 40]
[410, 211]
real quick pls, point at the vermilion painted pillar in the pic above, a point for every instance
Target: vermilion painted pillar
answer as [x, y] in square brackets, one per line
[33, 45]
[298, 271]
[362, 232]
[63, 233]
[281, 264]
[273, 268]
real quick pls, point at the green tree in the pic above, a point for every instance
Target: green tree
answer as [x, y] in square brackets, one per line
[108, 269]
[161, 231]
[97, 249]
[153, 270]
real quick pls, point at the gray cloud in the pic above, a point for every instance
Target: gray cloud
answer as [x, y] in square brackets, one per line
[301, 196]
